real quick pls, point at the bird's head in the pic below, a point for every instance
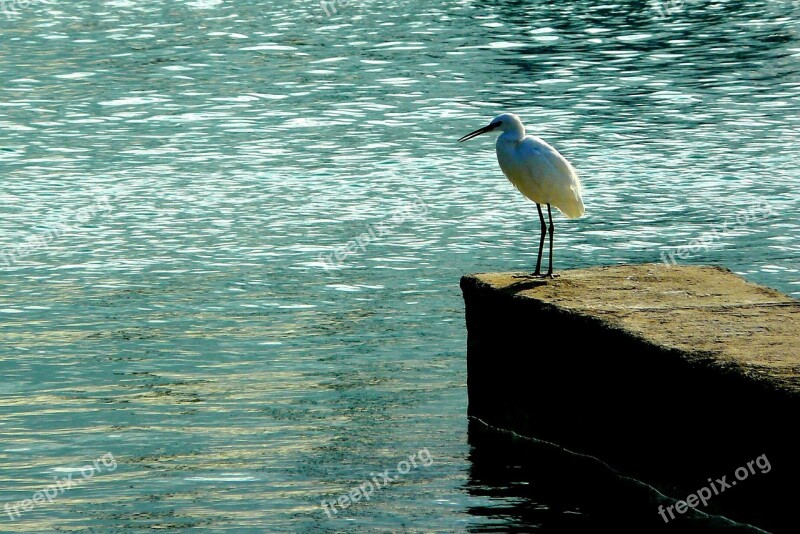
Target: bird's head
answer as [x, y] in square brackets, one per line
[507, 122]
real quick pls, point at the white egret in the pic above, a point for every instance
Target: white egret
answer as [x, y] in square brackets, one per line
[539, 171]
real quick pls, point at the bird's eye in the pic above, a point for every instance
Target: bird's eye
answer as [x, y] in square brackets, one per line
[496, 124]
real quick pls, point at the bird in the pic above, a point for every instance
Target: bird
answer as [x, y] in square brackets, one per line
[539, 172]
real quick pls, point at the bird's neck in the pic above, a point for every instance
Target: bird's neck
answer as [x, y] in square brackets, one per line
[511, 136]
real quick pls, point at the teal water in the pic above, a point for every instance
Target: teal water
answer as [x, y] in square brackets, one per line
[175, 178]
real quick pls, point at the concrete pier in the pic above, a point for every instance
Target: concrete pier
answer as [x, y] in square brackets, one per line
[671, 375]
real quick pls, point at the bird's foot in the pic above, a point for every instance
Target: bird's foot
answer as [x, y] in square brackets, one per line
[551, 275]
[531, 275]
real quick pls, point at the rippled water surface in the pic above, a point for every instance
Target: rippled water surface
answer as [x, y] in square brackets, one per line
[181, 182]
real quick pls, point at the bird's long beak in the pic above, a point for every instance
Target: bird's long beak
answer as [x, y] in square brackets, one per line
[478, 132]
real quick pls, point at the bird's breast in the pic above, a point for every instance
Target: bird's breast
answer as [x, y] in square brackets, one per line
[517, 172]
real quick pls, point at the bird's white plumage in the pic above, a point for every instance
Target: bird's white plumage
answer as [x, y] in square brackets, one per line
[537, 169]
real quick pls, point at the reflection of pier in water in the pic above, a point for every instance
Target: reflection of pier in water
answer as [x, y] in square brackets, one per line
[563, 491]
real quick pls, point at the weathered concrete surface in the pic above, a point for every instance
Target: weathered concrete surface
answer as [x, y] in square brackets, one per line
[671, 374]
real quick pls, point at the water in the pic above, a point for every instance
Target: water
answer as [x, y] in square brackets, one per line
[175, 174]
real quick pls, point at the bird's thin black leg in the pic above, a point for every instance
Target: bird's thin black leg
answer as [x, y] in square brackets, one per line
[538, 270]
[550, 216]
